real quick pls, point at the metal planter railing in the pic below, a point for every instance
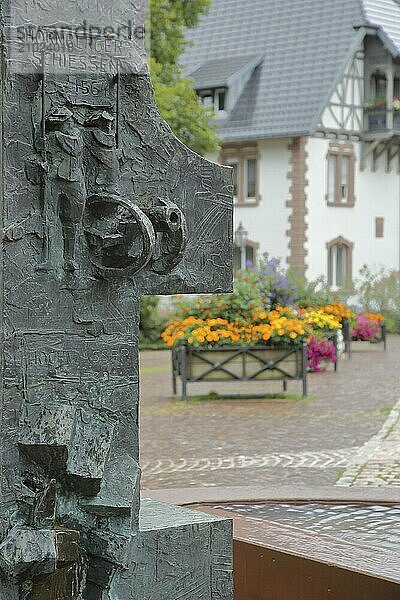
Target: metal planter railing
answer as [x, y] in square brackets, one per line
[256, 363]
[382, 339]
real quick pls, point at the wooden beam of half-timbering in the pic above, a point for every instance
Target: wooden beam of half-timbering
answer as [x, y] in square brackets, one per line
[377, 153]
[391, 153]
[367, 150]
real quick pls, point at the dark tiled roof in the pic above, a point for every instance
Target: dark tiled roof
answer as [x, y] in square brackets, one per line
[385, 14]
[216, 73]
[306, 46]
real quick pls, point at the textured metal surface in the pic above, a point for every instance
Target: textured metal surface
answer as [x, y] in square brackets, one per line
[288, 563]
[305, 45]
[101, 205]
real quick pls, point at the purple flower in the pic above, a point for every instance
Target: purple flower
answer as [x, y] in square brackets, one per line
[276, 288]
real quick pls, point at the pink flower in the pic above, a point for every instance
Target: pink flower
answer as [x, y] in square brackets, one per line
[320, 351]
[365, 329]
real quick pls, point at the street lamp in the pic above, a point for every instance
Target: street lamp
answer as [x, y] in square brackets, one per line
[241, 237]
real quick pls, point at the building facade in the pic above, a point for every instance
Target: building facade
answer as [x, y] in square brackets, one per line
[310, 123]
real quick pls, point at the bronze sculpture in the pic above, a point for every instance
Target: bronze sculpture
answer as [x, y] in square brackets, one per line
[101, 205]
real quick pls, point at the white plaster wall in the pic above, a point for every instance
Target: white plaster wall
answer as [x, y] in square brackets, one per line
[267, 222]
[377, 195]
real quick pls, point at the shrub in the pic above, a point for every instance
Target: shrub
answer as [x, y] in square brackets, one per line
[152, 321]
[275, 285]
[236, 307]
[380, 291]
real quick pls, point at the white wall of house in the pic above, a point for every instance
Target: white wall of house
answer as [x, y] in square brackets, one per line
[267, 222]
[377, 194]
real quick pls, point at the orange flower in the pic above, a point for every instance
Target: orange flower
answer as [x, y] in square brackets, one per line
[377, 317]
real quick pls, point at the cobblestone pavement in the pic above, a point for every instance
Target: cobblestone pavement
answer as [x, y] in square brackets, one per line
[377, 462]
[315, 441]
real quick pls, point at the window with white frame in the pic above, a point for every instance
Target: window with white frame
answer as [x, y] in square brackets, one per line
[340, 175]
[245, 164]
[340, 263]
[220, 100]
[214, 99]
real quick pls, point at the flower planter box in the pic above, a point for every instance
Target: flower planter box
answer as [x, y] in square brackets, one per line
[256, 363]
[349, 342]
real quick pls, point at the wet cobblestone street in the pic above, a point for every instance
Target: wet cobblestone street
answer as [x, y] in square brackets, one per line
[312, 441]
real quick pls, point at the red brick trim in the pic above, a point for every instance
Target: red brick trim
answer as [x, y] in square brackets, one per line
[298, 203]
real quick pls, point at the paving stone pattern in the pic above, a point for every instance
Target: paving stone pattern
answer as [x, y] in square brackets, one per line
[317, 441]
[377, 462]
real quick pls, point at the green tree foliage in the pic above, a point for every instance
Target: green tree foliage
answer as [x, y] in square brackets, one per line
[175, 96]
[152, 321]
[380, 291]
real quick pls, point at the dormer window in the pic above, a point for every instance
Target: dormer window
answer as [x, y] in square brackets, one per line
[214, 99]
[207, 98]
[219, 82]
[220, 98]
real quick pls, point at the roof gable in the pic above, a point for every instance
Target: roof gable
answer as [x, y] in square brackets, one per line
[218, 72]
[385, 15]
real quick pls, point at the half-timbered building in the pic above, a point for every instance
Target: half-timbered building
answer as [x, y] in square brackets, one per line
[307, 101]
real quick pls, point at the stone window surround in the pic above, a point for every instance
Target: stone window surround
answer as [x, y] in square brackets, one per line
[241, 152]
[339, 150]
[349, 259]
